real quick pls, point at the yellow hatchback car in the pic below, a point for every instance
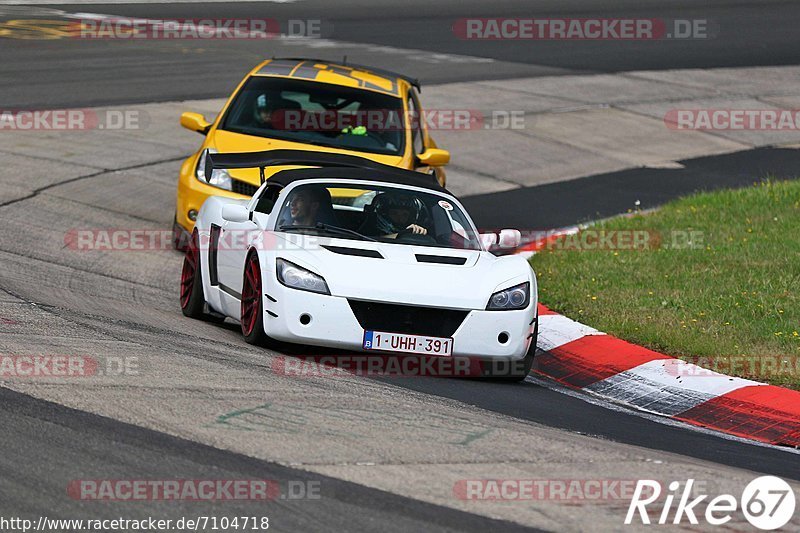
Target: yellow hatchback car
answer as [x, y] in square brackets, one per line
[307, 104]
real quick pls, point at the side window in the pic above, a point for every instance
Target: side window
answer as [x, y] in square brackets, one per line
[267, 199]
[417, 140]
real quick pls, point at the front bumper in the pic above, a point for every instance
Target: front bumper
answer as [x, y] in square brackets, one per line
[333, 324]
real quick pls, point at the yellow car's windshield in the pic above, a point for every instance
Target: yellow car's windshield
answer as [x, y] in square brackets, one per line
[318, 113]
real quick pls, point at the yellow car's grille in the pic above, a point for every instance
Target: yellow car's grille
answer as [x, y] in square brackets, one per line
[242, 187]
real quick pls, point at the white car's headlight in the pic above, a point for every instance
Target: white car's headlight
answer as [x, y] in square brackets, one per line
[517, 297]
[219, 177]
[297, 277]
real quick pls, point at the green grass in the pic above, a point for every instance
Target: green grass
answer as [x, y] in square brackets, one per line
[733, 293]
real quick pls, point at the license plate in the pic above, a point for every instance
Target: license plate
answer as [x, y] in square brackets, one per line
[399, 342]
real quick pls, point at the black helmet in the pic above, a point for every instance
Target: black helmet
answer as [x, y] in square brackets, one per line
[391, 200]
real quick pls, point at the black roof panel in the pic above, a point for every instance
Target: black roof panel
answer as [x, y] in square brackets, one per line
[414, 82]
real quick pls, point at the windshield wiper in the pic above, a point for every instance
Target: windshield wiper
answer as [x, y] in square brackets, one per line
[319, 226]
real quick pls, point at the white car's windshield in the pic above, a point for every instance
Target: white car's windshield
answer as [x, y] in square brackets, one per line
[379, 213]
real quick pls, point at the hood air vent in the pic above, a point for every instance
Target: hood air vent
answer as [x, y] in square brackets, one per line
[358, 252]
[442, 259]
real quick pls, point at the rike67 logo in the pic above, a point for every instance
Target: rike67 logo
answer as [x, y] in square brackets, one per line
[767, 502]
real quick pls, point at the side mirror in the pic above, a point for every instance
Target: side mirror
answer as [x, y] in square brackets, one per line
[488, 240]
[510, 238]
[235, 213]
[195, 122]
[434, 157]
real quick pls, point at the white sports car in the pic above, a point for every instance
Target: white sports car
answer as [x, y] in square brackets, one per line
[347, 253]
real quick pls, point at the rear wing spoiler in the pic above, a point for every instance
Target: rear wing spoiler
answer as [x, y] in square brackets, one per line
[273, 158]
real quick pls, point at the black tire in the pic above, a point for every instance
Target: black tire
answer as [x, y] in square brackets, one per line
[252, 315]
[192, 299]
[180, 237]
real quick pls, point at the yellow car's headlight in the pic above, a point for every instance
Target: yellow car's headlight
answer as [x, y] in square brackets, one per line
[219, 177]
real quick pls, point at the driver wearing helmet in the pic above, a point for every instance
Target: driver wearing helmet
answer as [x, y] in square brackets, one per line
[263, 112]
[395, 213]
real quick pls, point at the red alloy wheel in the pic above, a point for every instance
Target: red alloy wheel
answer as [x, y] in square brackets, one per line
[189, 271]
[251, 296]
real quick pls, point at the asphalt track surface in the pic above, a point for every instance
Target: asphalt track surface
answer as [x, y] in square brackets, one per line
[51, 439]
[36, 470]
[571, 202]
[69, 72]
